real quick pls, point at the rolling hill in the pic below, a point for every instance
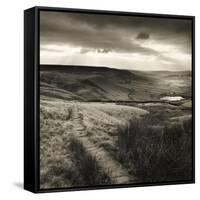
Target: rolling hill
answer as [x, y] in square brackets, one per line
[86, 83]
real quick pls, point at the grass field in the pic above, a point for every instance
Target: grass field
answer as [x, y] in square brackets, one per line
[100, 128]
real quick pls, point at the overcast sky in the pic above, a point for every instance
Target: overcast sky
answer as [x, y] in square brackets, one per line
[137, 43]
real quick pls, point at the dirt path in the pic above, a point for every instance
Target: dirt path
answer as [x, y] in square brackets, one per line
[116, 171]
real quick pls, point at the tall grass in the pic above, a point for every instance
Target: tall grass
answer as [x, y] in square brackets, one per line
[60, 176]
[156, 154]
[89, 170]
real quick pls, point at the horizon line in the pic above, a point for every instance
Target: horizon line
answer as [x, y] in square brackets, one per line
[103, 66]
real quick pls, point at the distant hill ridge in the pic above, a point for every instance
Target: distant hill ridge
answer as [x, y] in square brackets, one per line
[80, 69]
[77, 67]
[109, 84]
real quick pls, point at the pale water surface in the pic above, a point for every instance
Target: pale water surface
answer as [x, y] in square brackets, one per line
[172, 98]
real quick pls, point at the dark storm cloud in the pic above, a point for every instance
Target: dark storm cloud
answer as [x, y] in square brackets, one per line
[109, 33]
[65, 29]
[143, 36]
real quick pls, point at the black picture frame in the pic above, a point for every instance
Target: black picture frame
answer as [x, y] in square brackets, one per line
[32, 98]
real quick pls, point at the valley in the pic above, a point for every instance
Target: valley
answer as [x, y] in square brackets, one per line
[102, 126]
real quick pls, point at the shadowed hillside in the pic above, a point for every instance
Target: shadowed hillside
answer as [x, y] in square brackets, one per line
[107, 84]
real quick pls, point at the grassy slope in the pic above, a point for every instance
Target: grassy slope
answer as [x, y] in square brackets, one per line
[102, 84]
[60, 90]
[57, 133]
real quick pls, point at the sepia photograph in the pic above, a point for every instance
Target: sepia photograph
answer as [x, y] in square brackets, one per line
[115, 99]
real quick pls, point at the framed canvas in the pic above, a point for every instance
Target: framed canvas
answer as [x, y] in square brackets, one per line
[108, 99]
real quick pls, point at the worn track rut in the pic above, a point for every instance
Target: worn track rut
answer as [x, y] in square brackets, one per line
[117, 173]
